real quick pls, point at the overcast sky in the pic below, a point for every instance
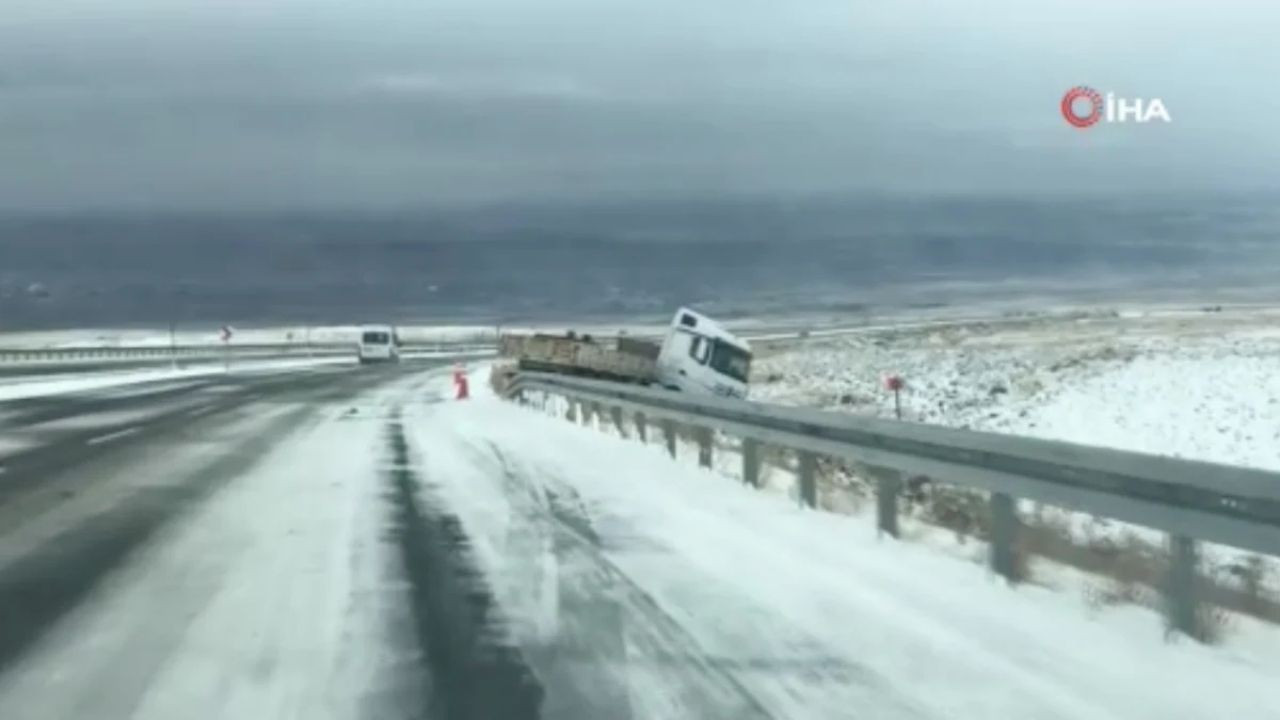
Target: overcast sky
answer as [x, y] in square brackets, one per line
[396, 103]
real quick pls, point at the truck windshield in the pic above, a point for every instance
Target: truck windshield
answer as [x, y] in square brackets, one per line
[376, 338]
[729, 360]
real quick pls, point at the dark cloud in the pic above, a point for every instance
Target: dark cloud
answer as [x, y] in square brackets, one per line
[286, 103]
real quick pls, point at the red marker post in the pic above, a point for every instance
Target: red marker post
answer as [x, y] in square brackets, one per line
[460, 382]
[895, 383]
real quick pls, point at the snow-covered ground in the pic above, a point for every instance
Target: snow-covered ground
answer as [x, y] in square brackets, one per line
[1193, 384]
[736, 603]
[1201, 386]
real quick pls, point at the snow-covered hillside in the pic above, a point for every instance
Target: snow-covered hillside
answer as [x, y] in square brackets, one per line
[1199, 385]
[1202, 384]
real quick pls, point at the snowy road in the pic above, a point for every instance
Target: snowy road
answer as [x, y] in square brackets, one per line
[202, 548]
[345, 543]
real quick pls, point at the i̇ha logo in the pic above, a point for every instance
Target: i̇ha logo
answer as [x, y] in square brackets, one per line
[1084, 107]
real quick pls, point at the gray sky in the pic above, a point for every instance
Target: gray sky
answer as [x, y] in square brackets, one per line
[392, 103]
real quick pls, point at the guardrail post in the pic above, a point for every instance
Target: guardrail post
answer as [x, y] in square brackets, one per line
[1004, 530]
[1180, 587]
[669, 435]
[642, 429]
[616, 413]
[751, 461]
[705, 436]
[585, 415]
[888, 485]
[808, 473]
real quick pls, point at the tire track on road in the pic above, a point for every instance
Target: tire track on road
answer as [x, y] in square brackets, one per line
[616, 652]
[475, 672]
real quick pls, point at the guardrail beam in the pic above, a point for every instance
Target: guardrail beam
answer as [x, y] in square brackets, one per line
[1191, 501]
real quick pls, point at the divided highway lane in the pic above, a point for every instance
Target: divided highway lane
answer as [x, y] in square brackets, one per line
[23, 371]
[40, 435]
[95, 485]
[23, 414]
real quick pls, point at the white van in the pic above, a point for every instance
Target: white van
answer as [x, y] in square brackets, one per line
[378, 343]
[700, 356]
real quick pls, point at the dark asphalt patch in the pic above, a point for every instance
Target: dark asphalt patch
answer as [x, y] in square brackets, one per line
[475, 673]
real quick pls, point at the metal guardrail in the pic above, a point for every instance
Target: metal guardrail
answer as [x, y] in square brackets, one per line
[37, 357]
[55, 355]
[1191, 501]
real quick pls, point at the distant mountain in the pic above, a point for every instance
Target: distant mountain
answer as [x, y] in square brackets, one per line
[543, 262]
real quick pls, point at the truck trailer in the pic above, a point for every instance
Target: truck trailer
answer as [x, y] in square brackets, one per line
[695, 355]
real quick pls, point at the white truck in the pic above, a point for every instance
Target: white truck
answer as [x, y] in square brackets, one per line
[696, 355]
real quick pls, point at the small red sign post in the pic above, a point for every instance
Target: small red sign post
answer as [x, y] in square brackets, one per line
[895, 383]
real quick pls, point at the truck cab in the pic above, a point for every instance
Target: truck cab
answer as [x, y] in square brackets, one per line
[700, 356]
[378, 343]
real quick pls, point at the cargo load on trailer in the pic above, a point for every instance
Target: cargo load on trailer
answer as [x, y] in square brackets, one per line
[695, 355]
[585, 356]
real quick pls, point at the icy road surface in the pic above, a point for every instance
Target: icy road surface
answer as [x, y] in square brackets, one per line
[348, 543]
